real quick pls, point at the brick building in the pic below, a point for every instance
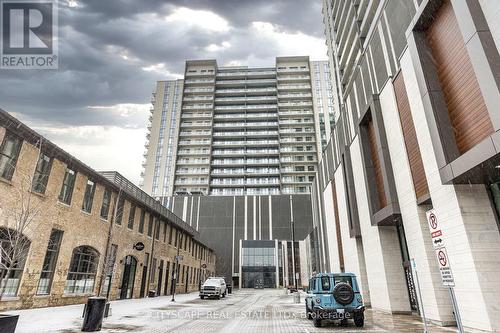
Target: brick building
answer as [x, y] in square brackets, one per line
[83, 232]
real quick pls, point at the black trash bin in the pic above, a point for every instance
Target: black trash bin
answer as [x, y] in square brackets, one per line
[229, 289]
[94, 313]
[8, 323]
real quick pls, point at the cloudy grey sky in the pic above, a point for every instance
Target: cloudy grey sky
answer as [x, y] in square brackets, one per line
[111, 53]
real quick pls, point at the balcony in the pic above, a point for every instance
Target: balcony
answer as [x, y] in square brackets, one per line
[245, 82]
[263, 191]
[292, 131]
[206, 106]
[293, 78]
[228, 182]
[262, 142]
[228, 152]
[191, 182]
[292, 87]
[245, 107]
[208, 133]
[296, 123]
[296, 160]
[240, 161]
[293, 170]
[294, 104]
[248, 133]
[262, 151]
[196, 115]
[262, 181]
[250, 73]
[194, 171]
[262, 161]
[193, 152]
[192, 161]
[196, 124]
[262, 171]
[294, 96]
[227, 192]
[247, 91]
[295, 150]
[193, 142]
[198, 90]
[295, 113]
[293, 70]
[199, 81]
[228, 143]
[245, 99]
[197, 98]
[228, 172]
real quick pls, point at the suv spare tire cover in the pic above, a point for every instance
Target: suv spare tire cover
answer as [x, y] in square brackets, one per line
[343, 293]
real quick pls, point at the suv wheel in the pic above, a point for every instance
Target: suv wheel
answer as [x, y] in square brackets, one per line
[202, 296]
[343, 293]
[308, 313]
[317, 321]
[359, 320]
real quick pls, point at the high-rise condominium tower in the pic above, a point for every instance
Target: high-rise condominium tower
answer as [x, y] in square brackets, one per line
[238, 130]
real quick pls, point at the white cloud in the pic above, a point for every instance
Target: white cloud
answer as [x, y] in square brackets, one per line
[104, 148]
[289, 43]
[161, 69]
[200, 18]
[216, 48]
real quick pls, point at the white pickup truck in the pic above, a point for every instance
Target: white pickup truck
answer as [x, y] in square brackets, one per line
[213, 287]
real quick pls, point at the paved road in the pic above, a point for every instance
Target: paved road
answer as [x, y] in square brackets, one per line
[247, 310]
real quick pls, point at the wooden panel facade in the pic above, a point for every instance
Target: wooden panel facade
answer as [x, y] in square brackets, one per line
[337, 227]
[410, 138]
[467, 110]
[379, 178]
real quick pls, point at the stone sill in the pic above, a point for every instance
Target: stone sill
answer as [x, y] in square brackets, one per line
[10, 298]
[5, 181]
[76, 295]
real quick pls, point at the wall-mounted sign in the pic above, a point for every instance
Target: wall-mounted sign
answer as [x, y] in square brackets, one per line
[139, 246]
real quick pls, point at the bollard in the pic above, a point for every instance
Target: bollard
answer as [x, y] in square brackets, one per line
[296, 297]
[94, 313]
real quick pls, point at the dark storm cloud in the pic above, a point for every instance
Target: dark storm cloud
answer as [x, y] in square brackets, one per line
[105, 46]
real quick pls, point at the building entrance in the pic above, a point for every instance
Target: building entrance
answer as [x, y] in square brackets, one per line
[127, 287]
[258, 265]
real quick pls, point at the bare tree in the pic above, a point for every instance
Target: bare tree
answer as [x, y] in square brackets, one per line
[108, 268]
[22, 211]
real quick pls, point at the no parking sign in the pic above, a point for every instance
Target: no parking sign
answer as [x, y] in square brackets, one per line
[441, 254]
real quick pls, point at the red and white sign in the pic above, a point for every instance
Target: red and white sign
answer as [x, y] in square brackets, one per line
[435, 230]
[444, 267]
[441, 254]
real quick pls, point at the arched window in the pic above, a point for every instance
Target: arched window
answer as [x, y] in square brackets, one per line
[82, 271]
[13, 252]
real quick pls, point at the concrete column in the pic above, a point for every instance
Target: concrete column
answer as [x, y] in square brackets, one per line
[382, 251]
[352, 247]
[331, 231]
